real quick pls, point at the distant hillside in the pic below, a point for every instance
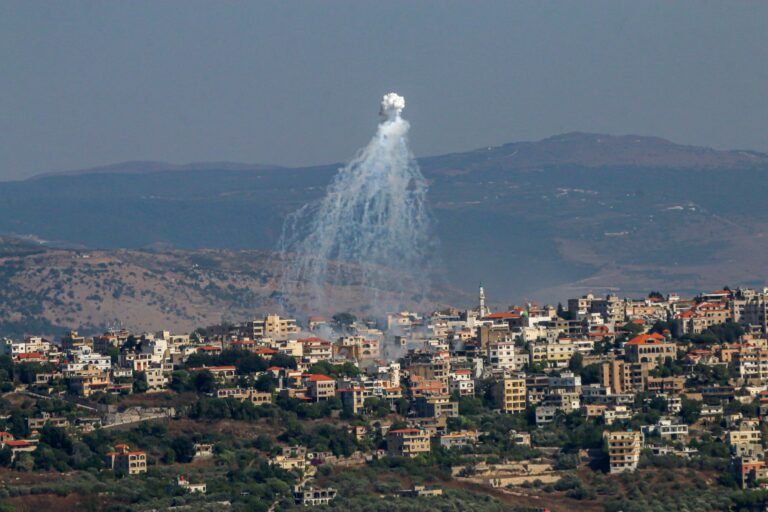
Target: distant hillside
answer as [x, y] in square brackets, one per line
[48, 291]
[598, 150]
[532, 220]
[148, 166]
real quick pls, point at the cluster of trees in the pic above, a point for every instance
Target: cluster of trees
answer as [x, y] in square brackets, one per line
[246, 362]
[325, 438]
[728, 332]
[12, 374]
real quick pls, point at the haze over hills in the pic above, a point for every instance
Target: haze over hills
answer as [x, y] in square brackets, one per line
[531, 220]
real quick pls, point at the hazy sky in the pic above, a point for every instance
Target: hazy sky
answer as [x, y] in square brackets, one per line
[91, 83]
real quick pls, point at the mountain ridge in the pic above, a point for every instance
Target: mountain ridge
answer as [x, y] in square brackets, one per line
[533, 221]
[571, 148]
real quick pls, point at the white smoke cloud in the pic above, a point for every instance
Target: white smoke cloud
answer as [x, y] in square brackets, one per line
[374, 215]
[392, 104]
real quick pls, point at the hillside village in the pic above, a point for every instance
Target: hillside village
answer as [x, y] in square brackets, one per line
[535, 407]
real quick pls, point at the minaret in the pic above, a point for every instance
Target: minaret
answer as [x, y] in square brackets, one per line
[482, 310]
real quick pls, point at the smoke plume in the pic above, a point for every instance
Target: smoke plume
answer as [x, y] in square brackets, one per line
[373, 217]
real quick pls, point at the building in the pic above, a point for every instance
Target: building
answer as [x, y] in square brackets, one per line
[665, 385]
[252, 395]
[623, 450]
[407, 442]
[314, 350]
[510, 394]
[751, 363]
[556, 354]
[624, 377]
[668, 430]
[435, 406]
[501, 355]
[271, 326]
[649, 348]
[123, 461]
[222, 374]
[319, 387]
[461, 382]
[310, 496]
[188, 486]
[458, 439]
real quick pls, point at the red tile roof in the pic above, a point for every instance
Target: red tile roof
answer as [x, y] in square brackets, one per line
[646, 339]
[30, 355]
[18, 444]
[496, 316]
[315, 377]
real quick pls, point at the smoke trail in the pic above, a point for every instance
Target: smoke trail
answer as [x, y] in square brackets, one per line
[373, 216]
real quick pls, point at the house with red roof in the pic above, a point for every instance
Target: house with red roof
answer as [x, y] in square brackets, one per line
[123, 461]
[407, 442]
[649, 348]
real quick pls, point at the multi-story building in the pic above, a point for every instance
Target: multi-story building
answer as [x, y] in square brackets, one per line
[123, 461]
[319, 387]
[435, 406]
[665, 385]
[756, 311]
[501, 355]
[623, 450]
[407, 442]
[89, 380]
[314, 350]
[352, 398]
[243, 394]
[222, 374]
[510, 394]
[271, 326]
[33, 344]
[751, 363]
[748, 433]
[622, 376]
[649, 348]
[556, 354]
[461, 382]
[312, 497]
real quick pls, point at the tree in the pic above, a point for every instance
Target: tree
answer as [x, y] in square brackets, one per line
[5, 457]
[690, 410]
[114, 354]
[379, 407]
[576, 362]
[204, 382]
[633, 329]
[24, 462]
[266, 382]
[181, 381]
[590, 374]
[140, 382]
[344, 320]
[184, 449]
[56, 438]
[283, 361]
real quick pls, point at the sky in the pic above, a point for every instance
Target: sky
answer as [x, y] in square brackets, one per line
[84, 84]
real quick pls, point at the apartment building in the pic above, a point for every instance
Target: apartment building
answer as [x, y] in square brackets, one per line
[123, 461]
[407, 442]
[623, 450]
[649, 348]
[510, 394]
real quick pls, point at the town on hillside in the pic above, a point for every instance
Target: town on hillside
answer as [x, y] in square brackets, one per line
[591, 403]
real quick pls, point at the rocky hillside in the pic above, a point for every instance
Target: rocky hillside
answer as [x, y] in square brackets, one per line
[50, 290]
